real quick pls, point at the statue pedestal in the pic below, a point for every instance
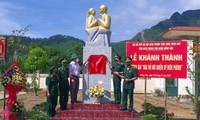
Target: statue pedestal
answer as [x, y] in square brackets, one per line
[90, 80]
[99, 37]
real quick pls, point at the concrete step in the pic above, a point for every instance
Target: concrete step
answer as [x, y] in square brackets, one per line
[94, 113]
[96, 106]
[94, 118]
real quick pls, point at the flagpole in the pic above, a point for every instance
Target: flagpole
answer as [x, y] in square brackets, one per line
[197, 80]
[4, 94]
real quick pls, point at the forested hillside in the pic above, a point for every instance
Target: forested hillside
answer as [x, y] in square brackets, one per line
[33, 53]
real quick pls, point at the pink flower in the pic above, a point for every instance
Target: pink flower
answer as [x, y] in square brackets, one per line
[172, 114]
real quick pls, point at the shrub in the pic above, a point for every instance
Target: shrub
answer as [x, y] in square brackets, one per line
[37, 112]
[36, 115]
[146, 105]
[156, 111]
[148, 117]
[31, 113]
[34, 83]
[18, 110]
[193, 99]
[40, 117]
[40, 107]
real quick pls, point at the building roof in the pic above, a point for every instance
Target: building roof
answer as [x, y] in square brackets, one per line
[181, 32]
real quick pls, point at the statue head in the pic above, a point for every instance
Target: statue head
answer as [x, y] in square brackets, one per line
[92, 11]
[103, 9]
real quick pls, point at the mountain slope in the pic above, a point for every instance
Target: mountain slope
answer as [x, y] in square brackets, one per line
[187, 18]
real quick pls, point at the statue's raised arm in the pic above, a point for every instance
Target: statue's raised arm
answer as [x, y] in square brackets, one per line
[105, 21]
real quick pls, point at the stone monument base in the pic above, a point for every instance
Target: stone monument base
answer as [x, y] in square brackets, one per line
[90, 80]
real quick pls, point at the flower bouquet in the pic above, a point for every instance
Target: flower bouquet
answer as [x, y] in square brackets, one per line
[13, 80]
[13, 75]
[97, 92]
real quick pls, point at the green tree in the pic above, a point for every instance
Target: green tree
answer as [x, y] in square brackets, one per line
[36, 60]
[53, 56]
[77, 49]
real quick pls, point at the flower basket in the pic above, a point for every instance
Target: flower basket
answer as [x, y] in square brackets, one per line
[97, 100]
[97, 93]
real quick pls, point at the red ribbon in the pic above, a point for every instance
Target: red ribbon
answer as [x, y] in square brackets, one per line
[12, 91]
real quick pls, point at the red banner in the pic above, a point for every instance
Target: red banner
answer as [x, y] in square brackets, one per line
[159, 59]
[2, 48]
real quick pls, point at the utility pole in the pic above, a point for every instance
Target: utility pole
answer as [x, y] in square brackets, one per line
[196, 79]
[145, 79]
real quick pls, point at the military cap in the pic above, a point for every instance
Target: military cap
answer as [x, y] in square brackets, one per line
[64, 59]
[51, 68]
[128, 59]
[117, 56]
[74, 56]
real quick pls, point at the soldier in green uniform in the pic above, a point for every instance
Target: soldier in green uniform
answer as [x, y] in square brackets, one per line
[63, 74]
[129, 75]
[51, 91]
[117, 69]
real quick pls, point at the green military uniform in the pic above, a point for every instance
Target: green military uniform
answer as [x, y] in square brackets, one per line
[129, 72]
[117, 67]
[52, 83]
[63, 75]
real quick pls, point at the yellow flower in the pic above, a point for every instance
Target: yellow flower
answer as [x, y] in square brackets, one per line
[97, 91]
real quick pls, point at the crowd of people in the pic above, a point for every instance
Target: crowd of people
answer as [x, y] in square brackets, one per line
[57, 83]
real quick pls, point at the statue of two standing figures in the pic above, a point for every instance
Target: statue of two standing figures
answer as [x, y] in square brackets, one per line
[98, 30]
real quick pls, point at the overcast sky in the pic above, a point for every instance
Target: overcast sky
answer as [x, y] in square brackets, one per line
[67, 17]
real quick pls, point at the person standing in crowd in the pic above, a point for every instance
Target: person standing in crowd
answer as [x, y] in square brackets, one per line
[129, 75]
[63, 74]
[117, 69]
[74, 73]
[52, 91]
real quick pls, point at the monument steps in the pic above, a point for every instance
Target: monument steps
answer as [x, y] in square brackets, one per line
[95, 112]
[94, 118]
[97, 106]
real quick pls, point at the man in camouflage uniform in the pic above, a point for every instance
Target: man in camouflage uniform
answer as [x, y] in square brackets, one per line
[117, 69]
[63, 75]
[51, 91]
[129, 75]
